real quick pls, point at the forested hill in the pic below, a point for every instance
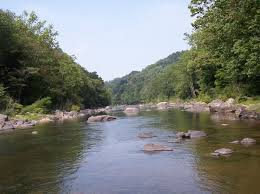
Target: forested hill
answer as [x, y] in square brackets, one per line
[139, 86]
[35, 70]
[222, 62]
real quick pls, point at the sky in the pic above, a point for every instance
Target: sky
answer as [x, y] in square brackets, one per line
[113, 37]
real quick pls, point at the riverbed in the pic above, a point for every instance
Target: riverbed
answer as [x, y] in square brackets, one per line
[107, 157]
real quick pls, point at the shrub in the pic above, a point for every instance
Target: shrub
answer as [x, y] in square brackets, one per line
[41, 106]
[75, 108]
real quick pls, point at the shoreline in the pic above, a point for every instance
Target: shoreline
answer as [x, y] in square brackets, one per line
[228, 110]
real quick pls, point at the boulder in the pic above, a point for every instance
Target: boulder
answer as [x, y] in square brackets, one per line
[196, 107]
[100, 118]
[231, 101]
[3, 118]
[156, 147]
[180, 135]
[146, 135]
[242, 113]
[162, 105]
[8, 125]
[131, 110]
[248, 141]
[45, 120]
[222, 152]
[196, 134]
[221, 106]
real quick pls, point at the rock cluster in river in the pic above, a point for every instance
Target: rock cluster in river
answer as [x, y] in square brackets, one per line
[100, 118]
[222, 152]
[245, 141]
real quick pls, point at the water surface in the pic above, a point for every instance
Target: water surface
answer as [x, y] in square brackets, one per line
[75, 157]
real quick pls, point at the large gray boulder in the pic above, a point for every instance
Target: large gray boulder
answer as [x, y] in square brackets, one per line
[156, 147]
[221, 106]
[100, 118]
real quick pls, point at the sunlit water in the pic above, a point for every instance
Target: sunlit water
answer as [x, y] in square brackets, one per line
[75, 157]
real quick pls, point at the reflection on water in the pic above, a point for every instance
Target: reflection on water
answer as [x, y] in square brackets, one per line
[105, 157]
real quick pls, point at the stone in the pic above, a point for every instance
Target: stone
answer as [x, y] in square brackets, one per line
[100, 118]
[223, 107]
[178, 140]
[196, 134]
[156, 147]
[180, 135]
[162, 105]
[3, 118]
[131, 110]
[224, 124]
[235, 142]
[8, 125]
[146, 135]
[222, 152]
[231, 101]
[45, 120]
[35, 132]
[248, 141]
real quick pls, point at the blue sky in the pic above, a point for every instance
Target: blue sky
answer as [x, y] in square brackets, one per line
[114, 37]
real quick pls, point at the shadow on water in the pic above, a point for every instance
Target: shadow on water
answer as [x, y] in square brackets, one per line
[42, 162]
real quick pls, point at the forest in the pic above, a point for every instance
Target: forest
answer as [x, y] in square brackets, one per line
[223, 60]
[36, 75]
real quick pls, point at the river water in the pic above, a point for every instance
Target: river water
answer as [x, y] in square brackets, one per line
[75, 157]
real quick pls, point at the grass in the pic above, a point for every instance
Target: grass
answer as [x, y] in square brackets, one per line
[29, 116]
[253, 103]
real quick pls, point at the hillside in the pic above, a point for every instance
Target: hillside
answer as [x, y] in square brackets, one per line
[134, 87]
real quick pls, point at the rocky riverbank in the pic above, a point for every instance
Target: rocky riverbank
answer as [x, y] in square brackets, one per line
[218, 108]
[8, 124]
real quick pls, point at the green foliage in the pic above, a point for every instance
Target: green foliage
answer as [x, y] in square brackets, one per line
[75, 108]
[146, 85]
[41, 106]
[33, 66]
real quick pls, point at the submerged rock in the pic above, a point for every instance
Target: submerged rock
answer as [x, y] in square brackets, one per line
[146, 135]
[235, 142]
[222, 152]
[191, 134]
[178, 140]
[101, 118]
[224, 124]
[156, 147]
[196, 134]
[35, 132]
[248, 141]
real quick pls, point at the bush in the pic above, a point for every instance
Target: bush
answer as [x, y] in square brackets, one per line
[41, 106]
[75, 108]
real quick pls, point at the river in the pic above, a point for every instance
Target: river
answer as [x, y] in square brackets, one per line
[76, 157]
